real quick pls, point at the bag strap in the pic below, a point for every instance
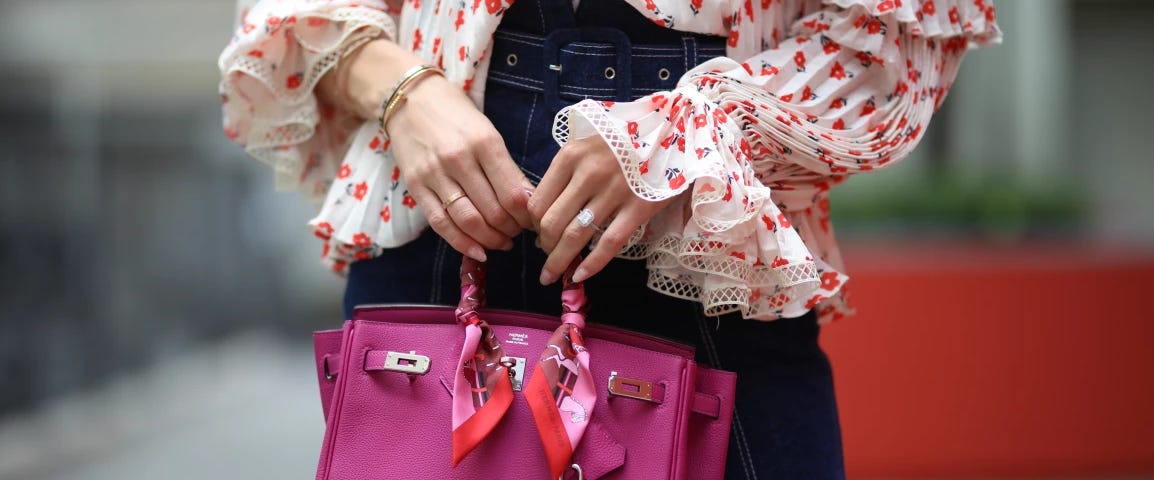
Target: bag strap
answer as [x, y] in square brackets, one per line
[560, 392]
[473, 286]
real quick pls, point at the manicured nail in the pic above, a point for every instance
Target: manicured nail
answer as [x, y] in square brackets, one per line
[546, 277]
[580, 275]
[477, 253]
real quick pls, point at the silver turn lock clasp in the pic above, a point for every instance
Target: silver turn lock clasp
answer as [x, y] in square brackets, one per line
[409, 363]
[516, 367]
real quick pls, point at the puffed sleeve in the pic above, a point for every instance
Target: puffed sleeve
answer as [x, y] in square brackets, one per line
[850, 87]
[279, 51]
[269, 73]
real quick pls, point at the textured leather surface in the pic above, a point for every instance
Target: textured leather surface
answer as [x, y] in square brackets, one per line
[709, 434]
[385, 424]
[326, 347]
[706, 404]
[431, 314]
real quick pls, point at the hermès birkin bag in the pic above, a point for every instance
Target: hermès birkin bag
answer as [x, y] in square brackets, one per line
[429, 392]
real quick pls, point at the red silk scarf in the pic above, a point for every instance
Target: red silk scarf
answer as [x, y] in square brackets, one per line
[560, 393]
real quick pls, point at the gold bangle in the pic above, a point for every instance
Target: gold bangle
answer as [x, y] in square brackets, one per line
[397, 96]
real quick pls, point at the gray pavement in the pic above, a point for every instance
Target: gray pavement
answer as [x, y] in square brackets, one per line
[243, 408]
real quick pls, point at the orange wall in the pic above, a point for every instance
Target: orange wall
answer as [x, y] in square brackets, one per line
[1034, 360]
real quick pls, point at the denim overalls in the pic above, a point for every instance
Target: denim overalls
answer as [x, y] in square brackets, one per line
[546, 55]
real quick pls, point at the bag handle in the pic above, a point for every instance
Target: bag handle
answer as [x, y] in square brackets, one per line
[473, 286]
[483, 391]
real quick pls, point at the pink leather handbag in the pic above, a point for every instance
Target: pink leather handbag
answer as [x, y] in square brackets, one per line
[388, 378]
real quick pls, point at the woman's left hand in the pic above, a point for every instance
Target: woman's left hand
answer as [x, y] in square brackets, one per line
[585, 174]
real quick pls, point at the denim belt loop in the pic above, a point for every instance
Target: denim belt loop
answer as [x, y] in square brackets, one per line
[689, 44]
[556, 40]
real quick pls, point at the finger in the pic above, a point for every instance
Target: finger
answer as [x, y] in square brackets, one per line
[614, 238]
[461, 166]
[508, 182]
[441, 223]
[575, 237]
[561, 215]
[469, 220]
[481, 195]
[556, 179]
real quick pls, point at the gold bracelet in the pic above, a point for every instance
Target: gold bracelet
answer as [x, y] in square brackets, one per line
[397, 96]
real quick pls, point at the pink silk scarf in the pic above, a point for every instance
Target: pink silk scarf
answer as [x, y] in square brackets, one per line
[560, 392]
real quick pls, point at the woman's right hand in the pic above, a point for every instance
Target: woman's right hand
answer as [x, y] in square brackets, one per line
[444, 147]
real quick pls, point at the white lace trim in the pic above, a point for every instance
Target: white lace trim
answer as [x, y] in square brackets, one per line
[294, 115]
[613, 132]
[674, 269]
[618, 142]
[691, 268]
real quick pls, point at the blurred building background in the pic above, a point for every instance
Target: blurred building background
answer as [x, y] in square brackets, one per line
[156, 293]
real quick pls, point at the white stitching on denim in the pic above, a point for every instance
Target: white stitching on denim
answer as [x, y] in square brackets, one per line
[590, 89]
[541, 11]
[746, 457]
[499, 77]
[508, 33]
[524, 240]
[537, 41]
[590, 54]
[438, 262]
[511, 83]
[529, 173]
[738, 431]
[518, 77]
[658, 49]
[528, 124]
[614, 55]
[685, 51]
[590, 45]
[523, 42]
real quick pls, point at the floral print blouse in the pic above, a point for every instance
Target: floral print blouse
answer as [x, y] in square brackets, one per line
[810, 92]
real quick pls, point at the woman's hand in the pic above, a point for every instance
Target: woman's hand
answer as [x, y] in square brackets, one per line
[445, 147]
[452, 159]
[585, 174]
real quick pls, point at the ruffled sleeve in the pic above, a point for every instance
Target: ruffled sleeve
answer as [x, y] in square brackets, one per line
[759, 143]
[269, 70]
[281, 50]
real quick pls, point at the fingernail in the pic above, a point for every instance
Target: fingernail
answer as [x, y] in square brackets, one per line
[507, 246]
[580, 275]
[477, 253]
[546, 277]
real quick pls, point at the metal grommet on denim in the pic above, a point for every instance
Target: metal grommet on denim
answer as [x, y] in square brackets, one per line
[588, 63]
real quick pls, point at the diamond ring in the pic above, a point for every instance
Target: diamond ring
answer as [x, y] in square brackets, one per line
[585, 217]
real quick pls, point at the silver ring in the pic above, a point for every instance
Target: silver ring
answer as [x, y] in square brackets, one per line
[585, 217]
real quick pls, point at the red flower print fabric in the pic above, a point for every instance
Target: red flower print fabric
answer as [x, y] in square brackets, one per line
[810, 92]
[850, 90]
